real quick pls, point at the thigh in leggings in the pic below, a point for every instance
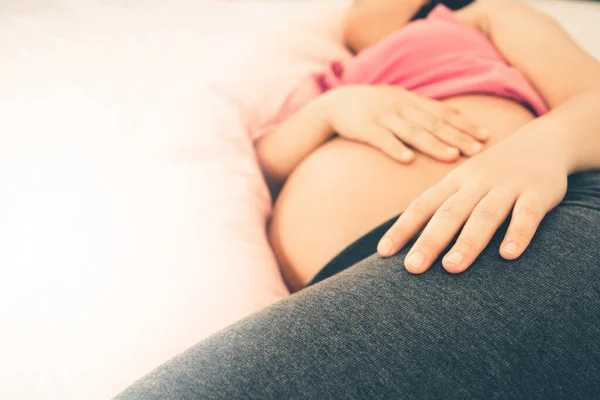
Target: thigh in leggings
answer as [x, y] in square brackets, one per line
[527, 329]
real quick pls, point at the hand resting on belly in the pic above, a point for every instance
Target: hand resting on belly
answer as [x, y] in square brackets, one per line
[344, 189]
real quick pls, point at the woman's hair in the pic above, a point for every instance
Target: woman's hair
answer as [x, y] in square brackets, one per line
[451, 4]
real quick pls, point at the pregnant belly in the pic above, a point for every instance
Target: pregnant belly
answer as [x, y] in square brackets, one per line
[345, 189]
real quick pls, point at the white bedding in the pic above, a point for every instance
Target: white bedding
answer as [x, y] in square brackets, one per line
[132, 211]
[131, 205]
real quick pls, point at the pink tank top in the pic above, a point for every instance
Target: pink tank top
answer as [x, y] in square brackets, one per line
[437, 57]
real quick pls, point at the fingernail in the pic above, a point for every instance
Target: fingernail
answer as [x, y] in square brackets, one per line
[484, 133]
[416, 260]
[455, 258]
[510, 248]
[452, 151]
[476, 147]
[385, 246]
[406, 155]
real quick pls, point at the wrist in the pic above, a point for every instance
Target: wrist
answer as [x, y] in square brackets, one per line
[328, 104]
[574, 129]
[564, 148]
[547, 138]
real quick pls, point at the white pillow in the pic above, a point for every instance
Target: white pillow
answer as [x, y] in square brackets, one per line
[119, 245]
[281, 43]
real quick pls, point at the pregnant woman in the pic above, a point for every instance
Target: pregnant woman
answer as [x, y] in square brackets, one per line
[484, 71]
[522, 324]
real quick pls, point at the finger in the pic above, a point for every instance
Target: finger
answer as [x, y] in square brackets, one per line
[443, 131]
[386, 142]
[458, 121]
[419, 139]
[442, 228]
[413, 219]
[463, 142]
[526, 217]
[483, 222]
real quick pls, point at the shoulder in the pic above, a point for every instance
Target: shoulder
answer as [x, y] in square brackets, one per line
[482, 12]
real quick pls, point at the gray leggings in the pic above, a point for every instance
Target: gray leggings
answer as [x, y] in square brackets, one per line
[527, 329]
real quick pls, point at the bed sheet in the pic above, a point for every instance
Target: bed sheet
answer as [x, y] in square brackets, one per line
[132, 212]
[132, 220]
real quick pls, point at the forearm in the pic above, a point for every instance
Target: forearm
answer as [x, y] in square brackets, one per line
[565, 75]
[284, 147]
[540, 48]
[572, 132]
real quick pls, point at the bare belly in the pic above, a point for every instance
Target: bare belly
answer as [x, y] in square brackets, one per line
[345, 189]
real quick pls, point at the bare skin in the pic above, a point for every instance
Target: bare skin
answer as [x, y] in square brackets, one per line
[344, 189]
